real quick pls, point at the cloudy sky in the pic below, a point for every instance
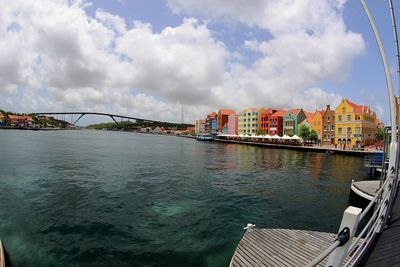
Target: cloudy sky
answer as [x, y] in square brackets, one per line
[149, 58]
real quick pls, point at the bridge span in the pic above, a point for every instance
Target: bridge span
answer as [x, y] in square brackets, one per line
[83, 113]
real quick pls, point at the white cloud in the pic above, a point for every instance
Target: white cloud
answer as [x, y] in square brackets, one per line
[54, 56]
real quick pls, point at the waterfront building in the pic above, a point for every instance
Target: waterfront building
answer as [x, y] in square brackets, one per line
[222, 118]
[214, 126]
[317, 123]
[207, 124]
[233, 124]
[355, 125]
[276, 123]
[2, 122]
[291, 121]
[248, 121]
[264, 119]
[200, 127]
[328, 122]
[20, 121]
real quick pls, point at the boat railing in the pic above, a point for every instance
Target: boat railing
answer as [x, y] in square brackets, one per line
[353, 247]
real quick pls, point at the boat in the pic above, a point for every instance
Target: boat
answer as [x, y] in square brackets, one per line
[204, 137]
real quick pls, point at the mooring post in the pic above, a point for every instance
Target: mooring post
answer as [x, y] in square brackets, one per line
[350, 221]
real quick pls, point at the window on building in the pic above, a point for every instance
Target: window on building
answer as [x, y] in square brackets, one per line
[358, 130]
[319, 123]
[333, 127]
[339, 118]
[329, 119]
[348, 129]
[339, 130]
[349, 117]
[344, 110]
[315, 123]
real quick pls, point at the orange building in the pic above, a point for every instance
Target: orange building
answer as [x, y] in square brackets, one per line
[222, 120]
[264, 116]
[317, 123]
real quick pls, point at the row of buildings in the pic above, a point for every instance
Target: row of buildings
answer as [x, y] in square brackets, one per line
[15, 120]
[349, 123]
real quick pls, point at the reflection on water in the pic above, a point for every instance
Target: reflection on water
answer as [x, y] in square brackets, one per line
[87, 198]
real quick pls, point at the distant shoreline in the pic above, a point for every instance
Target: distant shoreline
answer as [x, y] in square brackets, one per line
[37, 129]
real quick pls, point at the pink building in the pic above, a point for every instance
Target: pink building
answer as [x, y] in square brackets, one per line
[233, 124]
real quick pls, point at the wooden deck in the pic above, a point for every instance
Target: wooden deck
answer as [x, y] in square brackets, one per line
[280, 247]
[365, 189]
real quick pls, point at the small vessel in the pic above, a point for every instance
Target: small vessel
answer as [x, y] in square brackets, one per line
[2, 259]
[204, 137]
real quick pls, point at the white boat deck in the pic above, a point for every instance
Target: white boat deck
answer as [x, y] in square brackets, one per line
[366, 189]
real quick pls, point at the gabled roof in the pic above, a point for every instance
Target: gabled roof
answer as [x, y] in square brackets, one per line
[358, 108]
[295, 111]
[279, 113]
[226, 111]
[212, 115]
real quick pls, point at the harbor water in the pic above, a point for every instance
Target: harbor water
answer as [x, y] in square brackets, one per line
[97, 198]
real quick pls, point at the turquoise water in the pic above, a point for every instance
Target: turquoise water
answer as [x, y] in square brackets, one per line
[93, 198]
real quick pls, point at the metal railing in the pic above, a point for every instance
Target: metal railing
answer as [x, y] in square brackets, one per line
[383, 201]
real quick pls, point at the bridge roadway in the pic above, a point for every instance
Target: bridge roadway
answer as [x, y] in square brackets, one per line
[387, 248]
[112, 116]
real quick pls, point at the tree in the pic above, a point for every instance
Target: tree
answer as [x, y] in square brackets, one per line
[261, 132]
[313, 136]
[290, 133]
[379, 134]
[304, 132]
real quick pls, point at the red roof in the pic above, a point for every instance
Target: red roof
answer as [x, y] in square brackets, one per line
[279, 113]
[357, 108]
[295, 111]
[212, 115]
[19, 118]
[226, 111]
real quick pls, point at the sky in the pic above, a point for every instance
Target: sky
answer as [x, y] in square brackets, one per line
[147, 59]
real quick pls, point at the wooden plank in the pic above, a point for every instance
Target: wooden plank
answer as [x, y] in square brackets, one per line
[280, 247]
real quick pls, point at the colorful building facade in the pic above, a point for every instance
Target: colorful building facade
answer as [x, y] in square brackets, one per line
[276, 123]
[207, 125]
[248, 121]
[264, 119]
[291, 121]
[222, 118]
[233, 124]
[317, 123]
[214, 126]
[328, 122]
[354, 124]
[200, 127]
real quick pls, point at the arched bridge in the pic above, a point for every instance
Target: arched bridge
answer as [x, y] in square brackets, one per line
[81, 114]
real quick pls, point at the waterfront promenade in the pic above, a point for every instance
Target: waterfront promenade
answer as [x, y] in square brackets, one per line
[319, 149]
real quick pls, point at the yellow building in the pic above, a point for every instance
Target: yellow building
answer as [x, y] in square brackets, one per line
[354, 124]
[248, 121]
